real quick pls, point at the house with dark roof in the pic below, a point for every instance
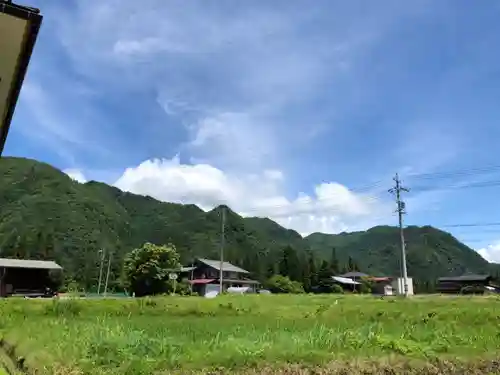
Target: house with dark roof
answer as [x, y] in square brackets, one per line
[26, 277]
[465, 284]
[204, 276]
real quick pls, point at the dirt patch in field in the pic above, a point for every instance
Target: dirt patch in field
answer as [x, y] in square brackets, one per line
[374, 368]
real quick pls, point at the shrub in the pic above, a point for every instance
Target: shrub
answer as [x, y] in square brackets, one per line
[283, 284]
[337, 289]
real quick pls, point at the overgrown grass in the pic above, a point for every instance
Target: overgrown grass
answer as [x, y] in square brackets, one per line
[239, 333]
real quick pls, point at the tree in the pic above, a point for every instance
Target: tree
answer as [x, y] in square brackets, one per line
[289, 264]
[283, 284]
[325, 281]
[334, 262]
[310, 274]
[146, 269]
[352, 265]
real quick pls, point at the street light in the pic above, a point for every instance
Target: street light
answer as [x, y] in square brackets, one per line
[19, 26]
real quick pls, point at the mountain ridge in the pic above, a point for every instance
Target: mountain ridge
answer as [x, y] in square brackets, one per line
[47, 214]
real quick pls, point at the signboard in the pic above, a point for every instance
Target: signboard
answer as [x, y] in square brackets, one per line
[18, 32]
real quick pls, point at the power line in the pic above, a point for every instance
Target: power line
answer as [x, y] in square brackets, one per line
[470, 225]
[462, 172]
[485, 184]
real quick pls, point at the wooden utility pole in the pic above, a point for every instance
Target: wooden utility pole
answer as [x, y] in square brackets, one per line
[107, 274]
[103, 253]
[396, 190]
[222, 243]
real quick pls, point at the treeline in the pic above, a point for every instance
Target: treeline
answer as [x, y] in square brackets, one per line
[297, 273]
[305, 272]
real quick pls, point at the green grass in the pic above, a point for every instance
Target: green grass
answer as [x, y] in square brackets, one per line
[237, 333]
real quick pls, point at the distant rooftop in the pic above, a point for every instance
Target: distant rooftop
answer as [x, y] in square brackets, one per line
[345, 280]
[468, 277]
[34, 264]
[226, 266]
[354, 274]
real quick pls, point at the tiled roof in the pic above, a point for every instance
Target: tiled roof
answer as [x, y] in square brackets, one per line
[23, 263]
[226, 266]
[469, 277]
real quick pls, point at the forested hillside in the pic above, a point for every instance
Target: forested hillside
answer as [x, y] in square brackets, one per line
[431, 253]
[46, 215]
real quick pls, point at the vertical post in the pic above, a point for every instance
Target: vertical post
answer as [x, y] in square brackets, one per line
[401, 211]
[102, 251]
[222, 240]
[192, 275]
[107, 274]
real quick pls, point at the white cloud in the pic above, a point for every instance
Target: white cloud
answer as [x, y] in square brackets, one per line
[233, 140]
[332, 208]
[76, 175]
[239, 70]
[491, 252]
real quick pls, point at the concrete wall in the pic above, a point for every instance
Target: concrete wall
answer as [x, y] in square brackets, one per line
[398, 286]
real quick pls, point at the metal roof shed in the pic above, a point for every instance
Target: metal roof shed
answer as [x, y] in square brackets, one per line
[345, 280]
[31, 264]
[20, 276]
[226, 266]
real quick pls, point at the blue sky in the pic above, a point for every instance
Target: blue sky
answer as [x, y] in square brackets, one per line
[277, 108]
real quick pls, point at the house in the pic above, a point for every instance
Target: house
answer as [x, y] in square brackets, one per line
[465, 284]
[204, 276]
[26, 277]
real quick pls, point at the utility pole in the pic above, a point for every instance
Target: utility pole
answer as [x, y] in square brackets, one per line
[107, 274]
[103, 253]
[396, 190]
[222, 240]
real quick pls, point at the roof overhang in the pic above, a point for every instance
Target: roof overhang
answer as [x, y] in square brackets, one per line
[29, 264]
[345, 280]
[201, 281]
[19, 28]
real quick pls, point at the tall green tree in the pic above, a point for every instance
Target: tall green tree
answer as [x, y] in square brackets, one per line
[325, 281]
[334, 262]
[146, 268]
[310, 273]
[290, 265]
[352, 265]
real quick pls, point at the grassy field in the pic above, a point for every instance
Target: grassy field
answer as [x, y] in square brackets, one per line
[255, 335]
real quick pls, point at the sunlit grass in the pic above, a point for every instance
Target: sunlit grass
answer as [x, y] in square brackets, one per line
[234, 332]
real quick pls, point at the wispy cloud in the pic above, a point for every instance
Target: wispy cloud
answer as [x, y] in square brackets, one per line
[243, 67]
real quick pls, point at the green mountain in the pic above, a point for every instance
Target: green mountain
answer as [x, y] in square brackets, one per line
[46, 215]
[430, 252]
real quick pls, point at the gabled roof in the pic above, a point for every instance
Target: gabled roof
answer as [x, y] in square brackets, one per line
[226, 266]
[345, 280]
[24, 263]
[354, 274]
[468, 277]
